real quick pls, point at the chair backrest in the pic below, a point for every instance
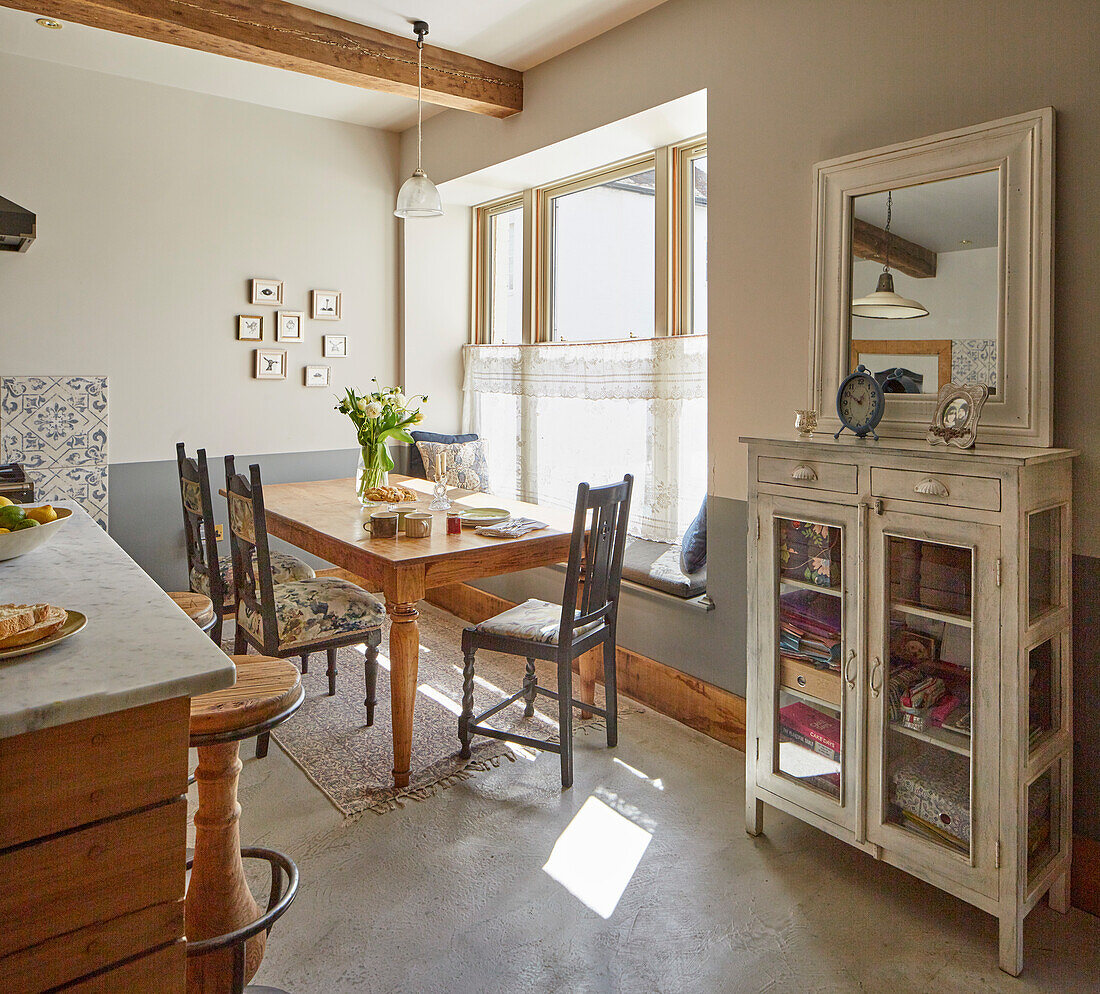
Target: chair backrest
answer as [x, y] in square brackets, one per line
[198, 522]
[597, 550]
[248, 541]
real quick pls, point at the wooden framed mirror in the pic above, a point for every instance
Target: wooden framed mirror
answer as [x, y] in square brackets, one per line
[962, 224]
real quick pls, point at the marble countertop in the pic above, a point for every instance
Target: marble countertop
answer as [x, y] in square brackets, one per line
[137, 648]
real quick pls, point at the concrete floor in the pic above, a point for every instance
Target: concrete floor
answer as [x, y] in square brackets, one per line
[451, 895]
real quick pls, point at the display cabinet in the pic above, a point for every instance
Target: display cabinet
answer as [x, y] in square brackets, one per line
[909, 679]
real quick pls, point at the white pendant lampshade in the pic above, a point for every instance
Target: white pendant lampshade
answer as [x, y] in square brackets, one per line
[884, 303]
[418, 196]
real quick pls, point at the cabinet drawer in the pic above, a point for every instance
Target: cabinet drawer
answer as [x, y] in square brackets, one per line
[809, 473]
[978, 492]
[808, 679]
[92, 875]
[77, 954]
[59, 778]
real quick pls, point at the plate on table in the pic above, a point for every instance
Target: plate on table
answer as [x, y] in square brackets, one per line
[74, 622]
[475, 517]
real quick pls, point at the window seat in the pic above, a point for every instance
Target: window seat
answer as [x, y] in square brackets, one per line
[657, 565]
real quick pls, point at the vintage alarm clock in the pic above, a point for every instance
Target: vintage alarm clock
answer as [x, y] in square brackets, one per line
[860, 403]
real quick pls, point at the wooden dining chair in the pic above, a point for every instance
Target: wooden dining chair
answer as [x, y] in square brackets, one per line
[208, 573]
[561, 633]
[300, 617]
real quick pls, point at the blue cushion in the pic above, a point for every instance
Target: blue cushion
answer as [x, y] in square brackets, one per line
[416, 463]
[693, 548]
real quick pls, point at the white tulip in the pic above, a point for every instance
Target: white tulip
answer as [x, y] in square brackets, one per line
[373, 410]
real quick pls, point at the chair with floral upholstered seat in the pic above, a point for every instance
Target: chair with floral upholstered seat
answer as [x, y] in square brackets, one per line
[299, 617]
[200, 538]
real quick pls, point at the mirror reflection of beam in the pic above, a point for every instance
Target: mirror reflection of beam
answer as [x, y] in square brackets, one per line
[869, 242]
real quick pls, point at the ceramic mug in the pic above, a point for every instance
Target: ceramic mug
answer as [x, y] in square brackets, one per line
[401, 513]
[383, 524]
[418, 524]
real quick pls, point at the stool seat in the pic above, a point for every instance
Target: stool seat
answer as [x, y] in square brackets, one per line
[265, 687]
[199, 608]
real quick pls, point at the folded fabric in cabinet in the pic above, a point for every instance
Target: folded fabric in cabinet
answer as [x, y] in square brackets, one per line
[935, 787]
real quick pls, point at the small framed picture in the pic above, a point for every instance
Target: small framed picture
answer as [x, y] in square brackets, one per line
[250, 327]
[267, 292]
[288, 326]
[270, 364]
[317, 376]
[326, 305]
[335, 347]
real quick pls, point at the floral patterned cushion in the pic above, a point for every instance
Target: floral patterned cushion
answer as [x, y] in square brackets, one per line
[284, 568]
[311, 610]
[535, 620]
[466, 464]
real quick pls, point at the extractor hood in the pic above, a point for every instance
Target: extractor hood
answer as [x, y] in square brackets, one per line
[16, 227]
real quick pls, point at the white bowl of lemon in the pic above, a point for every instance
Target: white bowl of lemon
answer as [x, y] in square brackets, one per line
[25, 527]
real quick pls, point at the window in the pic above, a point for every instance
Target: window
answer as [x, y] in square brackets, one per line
[693, 238]
[500, 288]
[600, 278]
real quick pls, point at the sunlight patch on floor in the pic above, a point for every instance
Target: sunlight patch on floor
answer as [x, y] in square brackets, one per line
[656, 781]
[596, 856]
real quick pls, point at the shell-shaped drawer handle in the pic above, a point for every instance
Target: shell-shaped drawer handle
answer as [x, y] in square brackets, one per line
[933, 488]
[804, 472]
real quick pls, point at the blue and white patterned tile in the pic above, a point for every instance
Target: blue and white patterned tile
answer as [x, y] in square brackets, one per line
[57, 427]
[974, 360]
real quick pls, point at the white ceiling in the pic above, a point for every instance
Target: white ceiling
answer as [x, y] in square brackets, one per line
[941, 215]
[515, 33]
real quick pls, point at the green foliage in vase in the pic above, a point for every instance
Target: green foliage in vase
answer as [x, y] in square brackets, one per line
[380, 416]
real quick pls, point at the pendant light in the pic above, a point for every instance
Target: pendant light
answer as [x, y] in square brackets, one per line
[418, 196]
[884, 303]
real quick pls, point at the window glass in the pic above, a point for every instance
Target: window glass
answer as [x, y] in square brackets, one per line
[506, 277]
[603, 260]
[699, 245]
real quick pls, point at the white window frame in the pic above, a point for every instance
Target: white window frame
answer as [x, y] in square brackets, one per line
[683, 280]
[482, 297]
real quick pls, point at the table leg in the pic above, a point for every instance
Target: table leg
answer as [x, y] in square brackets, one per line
[218, 898]
[404, 660]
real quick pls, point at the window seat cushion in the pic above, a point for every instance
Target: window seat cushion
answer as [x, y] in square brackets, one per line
[657, 565]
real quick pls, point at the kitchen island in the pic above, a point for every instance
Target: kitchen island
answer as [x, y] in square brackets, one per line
[93, 773]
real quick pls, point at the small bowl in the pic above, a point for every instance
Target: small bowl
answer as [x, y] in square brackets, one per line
[28, 539]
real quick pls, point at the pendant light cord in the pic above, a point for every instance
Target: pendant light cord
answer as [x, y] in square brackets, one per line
[419, 92]
[889, 216]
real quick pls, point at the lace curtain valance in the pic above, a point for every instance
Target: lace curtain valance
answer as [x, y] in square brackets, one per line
[554, 415]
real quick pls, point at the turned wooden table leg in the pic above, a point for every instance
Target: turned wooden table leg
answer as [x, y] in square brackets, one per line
[404, 661]
[218, 898]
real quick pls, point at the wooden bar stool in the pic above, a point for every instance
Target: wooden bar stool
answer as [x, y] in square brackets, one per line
[226, 933]
[198, 608]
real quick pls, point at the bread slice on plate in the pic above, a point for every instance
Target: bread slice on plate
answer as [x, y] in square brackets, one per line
[46, 620]
[14, 618]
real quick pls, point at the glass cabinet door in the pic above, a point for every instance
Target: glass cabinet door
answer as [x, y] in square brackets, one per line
[933, 691]
[808, 605]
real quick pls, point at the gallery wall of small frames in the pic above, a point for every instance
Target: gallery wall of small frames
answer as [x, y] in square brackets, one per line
[289, 327]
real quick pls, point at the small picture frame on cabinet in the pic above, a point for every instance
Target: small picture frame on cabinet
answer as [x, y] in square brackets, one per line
[288, 326]
[270, 364]
[335, 347]
[267, 292]
[958, 408]
[317, 376]
[326, 305]
[250, 327]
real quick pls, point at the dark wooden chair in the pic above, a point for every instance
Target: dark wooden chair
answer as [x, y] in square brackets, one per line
[296, 618]
[559, 634]
[208, 573]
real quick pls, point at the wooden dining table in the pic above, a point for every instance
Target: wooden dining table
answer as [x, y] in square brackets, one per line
[326, 519]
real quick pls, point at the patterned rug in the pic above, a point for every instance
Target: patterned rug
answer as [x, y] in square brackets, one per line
[352, 764]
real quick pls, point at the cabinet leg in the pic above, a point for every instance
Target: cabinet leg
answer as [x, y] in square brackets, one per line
[1011, 958]
[754, 814]
[1058, 895]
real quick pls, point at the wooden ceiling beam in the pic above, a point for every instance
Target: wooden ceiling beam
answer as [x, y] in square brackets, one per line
[286, 36]
[869, 242]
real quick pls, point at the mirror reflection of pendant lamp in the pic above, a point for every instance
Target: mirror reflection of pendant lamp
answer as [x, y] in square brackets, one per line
[418, 196]
[884, 302]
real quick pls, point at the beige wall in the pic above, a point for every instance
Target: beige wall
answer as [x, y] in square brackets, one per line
[792, 82]
[155, 206]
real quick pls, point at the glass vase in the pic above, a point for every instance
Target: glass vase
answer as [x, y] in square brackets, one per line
[373, 471]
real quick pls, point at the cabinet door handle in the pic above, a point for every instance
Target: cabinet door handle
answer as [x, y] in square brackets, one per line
[932, 488]
[804, 472]
[876, 670]
[849, 676]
